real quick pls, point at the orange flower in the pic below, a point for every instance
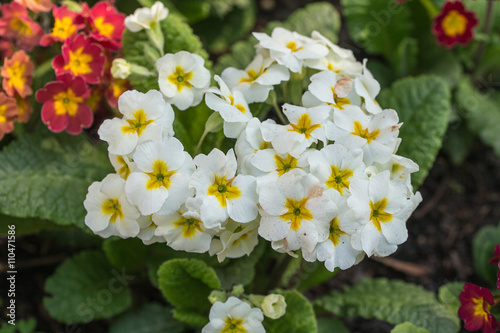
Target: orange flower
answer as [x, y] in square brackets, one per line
[16, 73]
[36, 5]
[8, 114]
[17, 25]
[25, 109]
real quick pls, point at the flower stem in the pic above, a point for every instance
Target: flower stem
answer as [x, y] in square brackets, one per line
[200, 142]
[486, 30]
[277, 273]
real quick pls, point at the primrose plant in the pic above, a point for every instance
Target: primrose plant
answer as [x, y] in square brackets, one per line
[326, 181]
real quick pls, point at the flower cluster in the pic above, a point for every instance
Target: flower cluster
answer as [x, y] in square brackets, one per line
[90, 40]
[327, 181]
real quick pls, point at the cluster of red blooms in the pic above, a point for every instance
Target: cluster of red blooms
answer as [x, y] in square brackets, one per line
[90, 39]
[477, 302]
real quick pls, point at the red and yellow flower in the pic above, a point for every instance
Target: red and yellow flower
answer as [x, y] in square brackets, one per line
[64, 105]
[24, 108]
[17, 25]
[81, 56]
[36, 5]
[16, 73]
[8, 114]
[66, 24]
[454, 24]
[115, 89]
[475, 310]
[106, 24]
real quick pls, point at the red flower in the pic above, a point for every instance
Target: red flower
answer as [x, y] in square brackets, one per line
[8, 114]
[66, 25]
[454, 24]
[64, 105]
[16, 24]
[81, 56]
[475, 309]
[116, 88]
[25, 109]
[6, 48]
[496, 256]
[106, 23]
[16, 73]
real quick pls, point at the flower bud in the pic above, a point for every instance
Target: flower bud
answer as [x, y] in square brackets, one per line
[120, 68]
[274, 306]
[217, 296]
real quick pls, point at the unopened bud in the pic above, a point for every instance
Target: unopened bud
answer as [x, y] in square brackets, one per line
[217, 296]
[120, 68]
[273, 306]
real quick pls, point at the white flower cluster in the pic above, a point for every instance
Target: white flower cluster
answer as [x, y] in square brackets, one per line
[328, 183]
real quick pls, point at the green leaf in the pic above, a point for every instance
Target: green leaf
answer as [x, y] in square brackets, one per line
[483, 245]
[48, 177]
[25, 226]
[448, 295]
[406, 57]
[86, 287]
[458, 142]
[189, 125]
[150, 318]
[408, 327]
[299, 316]
[222, 7]
[178, 36]
[240, 57]
[21, 326]
[313, 274]
[329, 325]
[186, 284]
[392, 301]
[482, 112]
[423, 105]
[194, 10]
[130, 253]
[379, 26]
[190, 318]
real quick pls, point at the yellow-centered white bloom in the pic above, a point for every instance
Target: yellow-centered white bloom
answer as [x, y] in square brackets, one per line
[234, 316]
[146, 18]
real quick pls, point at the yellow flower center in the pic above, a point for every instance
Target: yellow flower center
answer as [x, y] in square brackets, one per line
[138, 124]
[340, 102]
[335, 232]
[252, 75]
[240, 107]
[243, 237]
[364, 133]
[233, 325]
[79, 62]
[339, 179]
[296, 212]
[479, 311]
[223, 190]
[112, 207]
[66, 102]
[454, 24]
[304, 126]
[16, 75]
[124, 170]
[105, 29]
[180, 79]
[160, 177]
[293, 46]
[63, 28]
[284, 165]
[22, 27]
[189, 226]
[378, 215]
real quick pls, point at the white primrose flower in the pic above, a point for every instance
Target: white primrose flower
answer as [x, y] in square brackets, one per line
[148, 229]
[400, 167]
[122, 164]
[338, 59]
[257, 79]
[234, 316]
[381, 208]
[235, 240]
[224, 194]
[146, 18]
[368, 88]
[160, 184]
[335, 166]
[306, 127]
[333, 89]
[294, 210]
[182, 78]
[337, 250]
[290, 48]
[108, 210]
[249, 143]
[183, 229]
[231, 106]
[376, 135]
[145, 117]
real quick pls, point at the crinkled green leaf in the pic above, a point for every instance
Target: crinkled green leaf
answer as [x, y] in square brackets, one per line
[150, 318]
[482, 112]
[379, 26]
[448, 295]
[483, 245]
[423, 105]
[86, 287]
[178, 36]
[21, 326]
[186, 284]
[130, 253]
[408, 327]
[48, 177]
[190, 318]
[299, 316]
[393, 301]
[330, 325]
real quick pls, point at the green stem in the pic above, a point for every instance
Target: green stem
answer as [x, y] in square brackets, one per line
[280, 114]
[277, 273]
[432, 10]
[200, 142]
[486, 31]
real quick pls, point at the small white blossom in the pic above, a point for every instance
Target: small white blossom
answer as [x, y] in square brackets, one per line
[146, 18]
[234, 315]
[235, 240]
[120, 68]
